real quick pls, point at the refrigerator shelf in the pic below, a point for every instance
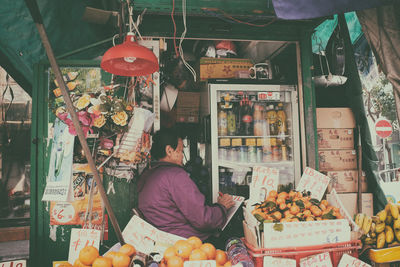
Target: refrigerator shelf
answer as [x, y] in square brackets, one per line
[249, 165]
[255, 136]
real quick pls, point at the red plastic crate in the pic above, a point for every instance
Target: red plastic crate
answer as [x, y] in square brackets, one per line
[335, 250]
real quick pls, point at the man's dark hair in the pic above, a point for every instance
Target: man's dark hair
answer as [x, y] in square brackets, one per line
[161, 140]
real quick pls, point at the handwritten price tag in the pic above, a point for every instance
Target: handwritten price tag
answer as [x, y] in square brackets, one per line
[349, 261]
[81, 238]
[319, 260]
[200, 264]
[279, 262]
[313, 181]
[63, 212]
[263, 180]
[19, 263]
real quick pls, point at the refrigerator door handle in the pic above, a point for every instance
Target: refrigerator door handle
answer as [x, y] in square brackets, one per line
[207, 129]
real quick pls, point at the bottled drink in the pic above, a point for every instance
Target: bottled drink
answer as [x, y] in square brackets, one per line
[258, 120]
[237, 252]
[265, 126]
[222, 122]
[247, 119]
[252, 153]
[231, 119]
[281, 120]
[271, 118]
[284, 153]
[222, 179]
[239, 110]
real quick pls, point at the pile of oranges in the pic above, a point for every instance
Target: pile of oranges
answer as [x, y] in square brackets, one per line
[89, 256]
[193, 249]
[294, 206]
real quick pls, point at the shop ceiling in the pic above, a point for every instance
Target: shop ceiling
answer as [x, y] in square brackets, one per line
[69, 29]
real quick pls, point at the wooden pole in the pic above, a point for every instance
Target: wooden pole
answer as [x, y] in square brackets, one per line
[37, 18]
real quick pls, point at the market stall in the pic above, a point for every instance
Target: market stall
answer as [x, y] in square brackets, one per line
[258, 139]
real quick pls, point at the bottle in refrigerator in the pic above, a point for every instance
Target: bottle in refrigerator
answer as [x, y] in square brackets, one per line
[258, 120]
[222, 121]
[281, 120]
[231, 119]
[271, 118]
[247, 118]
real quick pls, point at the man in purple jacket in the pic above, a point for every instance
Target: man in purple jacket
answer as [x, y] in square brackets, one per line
[170, 200]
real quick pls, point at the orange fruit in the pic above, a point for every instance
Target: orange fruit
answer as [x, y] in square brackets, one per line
[195, 242]
[228, 264]
[88, 254]
[169, 252]
[197, 255]
[110, 255]
[175, 261]
[121, 260]
[209, 249]
[128, 249]
[273, 193]
[283, 195]
[294, 209]
[220, 257]
[163, 263]
[78, 263]
[102, 262]
[183, 249]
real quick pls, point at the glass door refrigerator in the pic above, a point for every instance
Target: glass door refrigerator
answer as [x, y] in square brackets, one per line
[252, 125]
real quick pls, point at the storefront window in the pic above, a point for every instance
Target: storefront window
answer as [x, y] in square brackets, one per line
[15, 126]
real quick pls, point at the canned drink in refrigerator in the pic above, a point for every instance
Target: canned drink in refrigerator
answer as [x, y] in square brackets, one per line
[259, 150]
[243, 154]
[252, 154]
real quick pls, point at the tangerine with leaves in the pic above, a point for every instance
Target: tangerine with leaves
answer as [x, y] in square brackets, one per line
[198, 255]
[121, 260]
[169, 252]
[209, 249]
[175, 261]
[195, 242]
[88, 254]
[102, 262]
[128, 249]
[183, 248]
[110, 255]
[220, 257]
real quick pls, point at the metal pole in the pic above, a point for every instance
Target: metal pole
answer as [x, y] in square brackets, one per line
[73, 52]
[37, 18]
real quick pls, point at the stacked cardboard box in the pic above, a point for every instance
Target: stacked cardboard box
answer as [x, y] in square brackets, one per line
[338, 157]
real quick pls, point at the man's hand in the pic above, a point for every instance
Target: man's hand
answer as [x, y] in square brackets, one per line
[226, 200]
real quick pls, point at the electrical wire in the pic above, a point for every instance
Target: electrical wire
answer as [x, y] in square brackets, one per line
[173, 21]
[190, 68]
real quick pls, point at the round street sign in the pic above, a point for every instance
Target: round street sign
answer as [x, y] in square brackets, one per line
[383, 128]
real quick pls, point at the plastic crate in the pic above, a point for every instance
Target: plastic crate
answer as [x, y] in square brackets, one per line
[335, 251]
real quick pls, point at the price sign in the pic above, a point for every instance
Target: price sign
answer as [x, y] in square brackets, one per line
[81, 238]
[278, 262]
[319, 260]
[18, 263]
[63, 212]
[313, 181]
[208, 263]
[349, 261]
[263, 180]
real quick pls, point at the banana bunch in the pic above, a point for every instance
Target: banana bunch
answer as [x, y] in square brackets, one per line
[380, 230]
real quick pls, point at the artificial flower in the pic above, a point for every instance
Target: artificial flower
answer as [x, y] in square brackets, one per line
[94, 110]
[120, 118]
[85, 118]
[99, 121]
[83, 102]
[106, 143]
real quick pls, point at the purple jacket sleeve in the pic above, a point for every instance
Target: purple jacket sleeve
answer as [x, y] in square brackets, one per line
[191, 202]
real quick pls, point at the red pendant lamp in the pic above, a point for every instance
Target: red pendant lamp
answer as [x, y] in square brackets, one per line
[129, 59]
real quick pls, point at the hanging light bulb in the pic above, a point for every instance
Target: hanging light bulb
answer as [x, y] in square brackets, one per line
[129, 59]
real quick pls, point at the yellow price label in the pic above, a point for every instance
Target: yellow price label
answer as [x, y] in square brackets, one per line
[236, 141]
[250, 142]
[224, 142]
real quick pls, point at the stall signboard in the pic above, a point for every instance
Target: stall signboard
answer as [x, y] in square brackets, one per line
[206, 263]
[319, 260]
[81, 238]
[279, 262]
[349, 261]
[17, 263]
[146, 238]
[313, 181]
[263, 180]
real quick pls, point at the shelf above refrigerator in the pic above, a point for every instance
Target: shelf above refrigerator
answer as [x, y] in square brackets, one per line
[255, 136]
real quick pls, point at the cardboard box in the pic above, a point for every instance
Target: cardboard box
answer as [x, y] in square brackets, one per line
[212, 68]
[349, 201]
[337, 160]
[335, 118]
[335, 138]
[346, 181]
[187, 107]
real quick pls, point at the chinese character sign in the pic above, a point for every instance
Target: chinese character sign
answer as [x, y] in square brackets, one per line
[313, 181]
[81, 238]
